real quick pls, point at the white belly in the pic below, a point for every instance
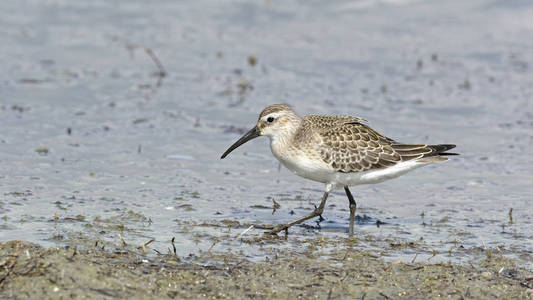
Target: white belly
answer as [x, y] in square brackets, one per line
[339, 179]
[317, 170]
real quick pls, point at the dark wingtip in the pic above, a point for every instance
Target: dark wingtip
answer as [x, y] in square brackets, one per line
[442, 148]
[448, 153]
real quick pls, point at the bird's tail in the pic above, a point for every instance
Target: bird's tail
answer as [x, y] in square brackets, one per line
[441, 150]
[438, 153]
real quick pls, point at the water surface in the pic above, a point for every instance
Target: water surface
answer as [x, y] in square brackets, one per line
[93, 140]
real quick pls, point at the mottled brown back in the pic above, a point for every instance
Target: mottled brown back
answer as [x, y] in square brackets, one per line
[349, 145]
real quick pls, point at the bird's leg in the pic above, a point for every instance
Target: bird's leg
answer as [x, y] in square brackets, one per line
[353, 207]
[320, 219]
[317, 212]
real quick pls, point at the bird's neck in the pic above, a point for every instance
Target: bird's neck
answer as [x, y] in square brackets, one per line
[284, 138]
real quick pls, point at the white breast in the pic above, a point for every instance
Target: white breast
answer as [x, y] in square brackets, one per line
[301, 164]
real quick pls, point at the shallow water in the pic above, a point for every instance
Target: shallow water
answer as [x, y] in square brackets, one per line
[94, 141]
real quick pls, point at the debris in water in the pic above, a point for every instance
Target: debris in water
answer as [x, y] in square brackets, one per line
[42, 150]
[252, 60]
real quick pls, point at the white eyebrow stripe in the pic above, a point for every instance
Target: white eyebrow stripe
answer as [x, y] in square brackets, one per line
[274, 115]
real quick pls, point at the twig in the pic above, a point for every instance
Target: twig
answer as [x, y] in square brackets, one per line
[162, 73]
[213, 245]
[275, 206]
[244, 232]
[124, 244]
[413, 261]
[149, 242]
[143, 246]
[398, 261]
[173, 246]
[268, 227]
[131, 47]
[346, 254]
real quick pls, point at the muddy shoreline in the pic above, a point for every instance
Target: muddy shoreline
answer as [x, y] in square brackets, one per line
[95, 139]
[124, 271]
[114, 115]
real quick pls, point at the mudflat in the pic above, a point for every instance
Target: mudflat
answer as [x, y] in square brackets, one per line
[30, 271]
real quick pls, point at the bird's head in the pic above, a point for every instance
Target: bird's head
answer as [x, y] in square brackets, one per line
[275, 121]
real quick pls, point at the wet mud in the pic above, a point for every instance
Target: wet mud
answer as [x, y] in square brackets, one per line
[30, 271]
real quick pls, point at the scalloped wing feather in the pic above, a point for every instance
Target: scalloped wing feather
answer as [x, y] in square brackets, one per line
[349, 145]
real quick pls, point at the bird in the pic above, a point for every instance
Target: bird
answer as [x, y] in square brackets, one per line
[338, 151]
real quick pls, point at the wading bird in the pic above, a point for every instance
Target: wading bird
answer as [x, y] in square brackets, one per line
[340, 151]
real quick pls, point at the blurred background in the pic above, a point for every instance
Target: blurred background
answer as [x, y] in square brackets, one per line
[114, 114]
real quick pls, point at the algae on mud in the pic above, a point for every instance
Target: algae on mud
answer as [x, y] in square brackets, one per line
[29, 271]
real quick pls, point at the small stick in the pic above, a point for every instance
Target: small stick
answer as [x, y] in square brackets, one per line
[162, 73]
[213, 245]
[156, 60]
[398, 261]
[275, 206]
[173, 246]
[244, 232]
[345, 276]
[346, 254]
[260, 226]
[124, 244]
[143, 246]
[149, 242]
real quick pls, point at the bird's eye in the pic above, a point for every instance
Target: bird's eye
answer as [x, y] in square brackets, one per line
[270, 119]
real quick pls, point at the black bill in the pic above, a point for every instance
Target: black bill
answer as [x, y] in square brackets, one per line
[245, 138]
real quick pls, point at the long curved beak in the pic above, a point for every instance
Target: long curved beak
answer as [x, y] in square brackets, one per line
[245, 138]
